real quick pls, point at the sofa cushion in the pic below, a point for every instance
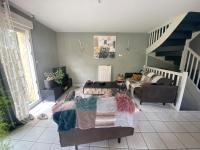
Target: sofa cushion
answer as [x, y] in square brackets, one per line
[150, 74]
[145, 79]
[156, 78]
[165, 81]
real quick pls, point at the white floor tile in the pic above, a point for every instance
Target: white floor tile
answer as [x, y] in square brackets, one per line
[98, 148]
[44, 123]
[153, 141]
[57, 140]
[11, 143]
[187, 140]
[196, 136]
[175, 127]
[165, 116]
[136, 141]
[52, 124]
[41, 146]
[26, 145]
[189, 127]
[141, 116]
[33, 134]
[177, 116]
[145, 126]
[197, 124]
[171, 141]
[189, 116]
[119, 149]
[32, 122]
[159, 126]
[58, 147]
[152, 116]
[48, 136]
[100, 143]
[80, 148]
[20, 132]
[114, 143]
[196, 114]
[137, 129]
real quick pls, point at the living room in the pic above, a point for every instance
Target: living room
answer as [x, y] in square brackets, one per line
[136, 61]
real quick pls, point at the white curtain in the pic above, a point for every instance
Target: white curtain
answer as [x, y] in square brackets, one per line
[11, 62]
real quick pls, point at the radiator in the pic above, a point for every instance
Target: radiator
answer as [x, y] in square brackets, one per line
[104, 73]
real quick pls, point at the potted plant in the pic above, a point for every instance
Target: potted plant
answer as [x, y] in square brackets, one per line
[4, 127]
[49, 82]
[59, 76]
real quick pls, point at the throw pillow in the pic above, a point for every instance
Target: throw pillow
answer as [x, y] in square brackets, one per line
[156, 78]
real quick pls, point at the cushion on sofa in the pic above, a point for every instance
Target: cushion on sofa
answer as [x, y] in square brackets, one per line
[165, 81]
[150, 74]
[145, 79]
[156, 78]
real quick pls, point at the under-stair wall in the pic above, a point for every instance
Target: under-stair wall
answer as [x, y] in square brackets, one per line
[191, 97]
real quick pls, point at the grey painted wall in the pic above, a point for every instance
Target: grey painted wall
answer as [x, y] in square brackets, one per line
[195, 44]
[45, 50]
[81, 64]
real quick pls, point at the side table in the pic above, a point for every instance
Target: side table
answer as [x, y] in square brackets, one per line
[51, 94]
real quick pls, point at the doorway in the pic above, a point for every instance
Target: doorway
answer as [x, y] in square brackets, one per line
[27, 57]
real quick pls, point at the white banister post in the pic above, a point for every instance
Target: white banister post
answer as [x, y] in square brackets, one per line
[146, 60]
[184, 55]
[183, 60]
[181, 89]
[149, 39]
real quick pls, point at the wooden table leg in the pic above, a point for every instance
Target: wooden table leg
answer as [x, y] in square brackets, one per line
[119, 140]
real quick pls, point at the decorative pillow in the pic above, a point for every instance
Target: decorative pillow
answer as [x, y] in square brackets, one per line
[165, 81]
[146, 79]
[150, 74]
[156, 78]
[136, 77]
[143, 77]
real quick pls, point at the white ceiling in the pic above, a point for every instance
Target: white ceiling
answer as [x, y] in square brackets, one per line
[108, 16]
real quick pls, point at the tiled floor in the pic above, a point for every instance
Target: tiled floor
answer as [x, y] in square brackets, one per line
[159, 127]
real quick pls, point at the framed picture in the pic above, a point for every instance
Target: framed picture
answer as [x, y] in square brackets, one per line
[104, 46]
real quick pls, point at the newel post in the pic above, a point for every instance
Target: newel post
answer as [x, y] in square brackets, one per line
[181, 89]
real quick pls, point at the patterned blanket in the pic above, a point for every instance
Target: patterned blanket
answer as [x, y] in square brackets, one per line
[95, 112]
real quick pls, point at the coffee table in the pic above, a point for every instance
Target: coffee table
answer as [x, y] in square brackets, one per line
[99, 88]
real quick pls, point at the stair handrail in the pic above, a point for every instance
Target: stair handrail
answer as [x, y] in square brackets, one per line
[190, 61]
[191, 65]
[158, 35]
[180, 79]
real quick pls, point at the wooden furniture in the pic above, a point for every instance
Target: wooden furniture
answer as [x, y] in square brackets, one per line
[77, 136]
[51, 94]
[99, 88]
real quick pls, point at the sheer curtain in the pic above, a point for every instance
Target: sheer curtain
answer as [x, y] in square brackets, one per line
[12, 62]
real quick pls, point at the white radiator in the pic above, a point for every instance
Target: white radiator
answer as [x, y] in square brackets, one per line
[104, 73]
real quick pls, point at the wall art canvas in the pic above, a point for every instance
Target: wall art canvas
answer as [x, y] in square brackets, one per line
[104, 46]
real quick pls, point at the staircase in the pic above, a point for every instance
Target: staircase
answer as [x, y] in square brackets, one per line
[171, 38]
[171, 43]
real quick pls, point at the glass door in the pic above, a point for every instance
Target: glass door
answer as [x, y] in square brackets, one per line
[26, 55]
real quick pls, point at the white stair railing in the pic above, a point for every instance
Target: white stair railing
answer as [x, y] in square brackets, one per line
[158, 35]
[191, 64]
[179, 78]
